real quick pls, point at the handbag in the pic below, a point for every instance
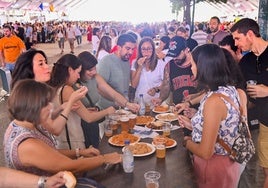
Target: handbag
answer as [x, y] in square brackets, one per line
[243, 147]
[90, 130]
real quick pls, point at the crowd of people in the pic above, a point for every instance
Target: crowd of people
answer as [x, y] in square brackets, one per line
[60, 111]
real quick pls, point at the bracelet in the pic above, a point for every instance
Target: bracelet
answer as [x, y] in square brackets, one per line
[42, 181]
[64, 117]
[77, 154]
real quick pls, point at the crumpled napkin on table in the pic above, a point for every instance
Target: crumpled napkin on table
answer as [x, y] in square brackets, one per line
[144, 132]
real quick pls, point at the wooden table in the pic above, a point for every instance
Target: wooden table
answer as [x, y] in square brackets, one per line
[176, 169]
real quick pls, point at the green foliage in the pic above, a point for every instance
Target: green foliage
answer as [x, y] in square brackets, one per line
[177, 5]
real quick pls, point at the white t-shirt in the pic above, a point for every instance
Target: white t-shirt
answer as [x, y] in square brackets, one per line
[95, 42]
[101, 54]
[70, 33]
[148, 80]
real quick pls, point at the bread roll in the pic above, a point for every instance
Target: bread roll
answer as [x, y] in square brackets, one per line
[70, 179]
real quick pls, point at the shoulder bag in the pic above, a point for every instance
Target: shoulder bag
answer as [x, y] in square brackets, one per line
[243, 147]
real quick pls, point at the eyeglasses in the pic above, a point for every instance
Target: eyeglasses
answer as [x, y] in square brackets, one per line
[258, 65]
[147, 49]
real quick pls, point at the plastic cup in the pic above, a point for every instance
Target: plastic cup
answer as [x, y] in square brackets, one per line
[166, 129]
[152, 179]
[124, 121]
[108, 131]
[132, 121]
[160, 148]
[147, 108]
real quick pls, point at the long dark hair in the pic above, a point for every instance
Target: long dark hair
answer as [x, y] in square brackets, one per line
[60, 73]
[24, 66]
[212, 67]
[153, 59]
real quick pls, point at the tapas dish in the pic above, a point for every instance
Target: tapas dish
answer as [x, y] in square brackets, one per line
[143, 120]
[161, 109]
[141, 149]
[169, 142]
[167, 117]
[156, 125]
[119, 139]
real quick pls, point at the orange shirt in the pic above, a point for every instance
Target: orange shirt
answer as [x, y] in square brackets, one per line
[11, 47]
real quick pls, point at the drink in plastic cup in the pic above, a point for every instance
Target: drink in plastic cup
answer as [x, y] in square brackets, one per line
[108, 129]
[251, 82]
[166, 129]
[124, 121]
[147, 108]
[132, 121]
[160, 148]
[152, 179]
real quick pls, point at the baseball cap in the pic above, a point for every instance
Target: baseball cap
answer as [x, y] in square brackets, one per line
[176, 45]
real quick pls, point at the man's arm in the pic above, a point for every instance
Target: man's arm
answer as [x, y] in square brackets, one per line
[2, 59]
[165, 85]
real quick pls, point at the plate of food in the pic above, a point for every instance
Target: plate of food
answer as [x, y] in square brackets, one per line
[157, 125]
[119, 139]
[141, 149]
[143, 120]
[167, 117]
[169, 142]
[161, 109]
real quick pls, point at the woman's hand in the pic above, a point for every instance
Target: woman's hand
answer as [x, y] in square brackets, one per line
[78, 94]
[55, 181]
[89, 152]
[189, 112]
[112, 158]
[181, 107]
[141, 61]
[185, 122]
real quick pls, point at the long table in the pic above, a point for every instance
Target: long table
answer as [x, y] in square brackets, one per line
[176, 169]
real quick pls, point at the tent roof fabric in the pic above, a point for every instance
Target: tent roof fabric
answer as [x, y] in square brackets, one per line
[58, 5]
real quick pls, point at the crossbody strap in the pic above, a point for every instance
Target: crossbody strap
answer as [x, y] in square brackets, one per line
[66, 127]
[239, 109]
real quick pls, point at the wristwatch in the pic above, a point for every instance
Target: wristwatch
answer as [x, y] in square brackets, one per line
[42, 181]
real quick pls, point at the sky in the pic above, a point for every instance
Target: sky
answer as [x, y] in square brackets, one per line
[135, 11]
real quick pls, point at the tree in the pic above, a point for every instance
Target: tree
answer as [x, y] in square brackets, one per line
[177, 5]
